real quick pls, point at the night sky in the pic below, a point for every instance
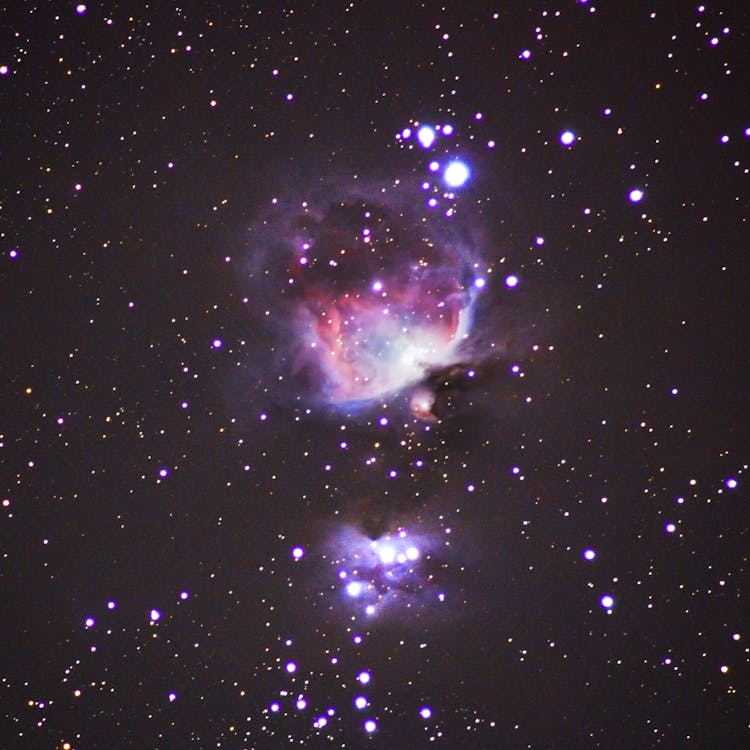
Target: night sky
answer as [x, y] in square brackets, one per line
[374, 375]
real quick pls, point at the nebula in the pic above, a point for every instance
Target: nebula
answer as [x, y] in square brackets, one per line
[373, 574]
[378, 291]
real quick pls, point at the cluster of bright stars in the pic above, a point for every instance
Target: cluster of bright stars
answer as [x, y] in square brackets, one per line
[455, 172]
[392, 557]
[360, 701]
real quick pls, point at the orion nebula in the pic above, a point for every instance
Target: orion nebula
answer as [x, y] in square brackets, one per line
[379, 288]
[378, 303]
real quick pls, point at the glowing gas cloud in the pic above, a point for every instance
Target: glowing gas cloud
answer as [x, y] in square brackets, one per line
[375, 292]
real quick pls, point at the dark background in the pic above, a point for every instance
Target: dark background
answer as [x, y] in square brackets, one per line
[113, 293]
